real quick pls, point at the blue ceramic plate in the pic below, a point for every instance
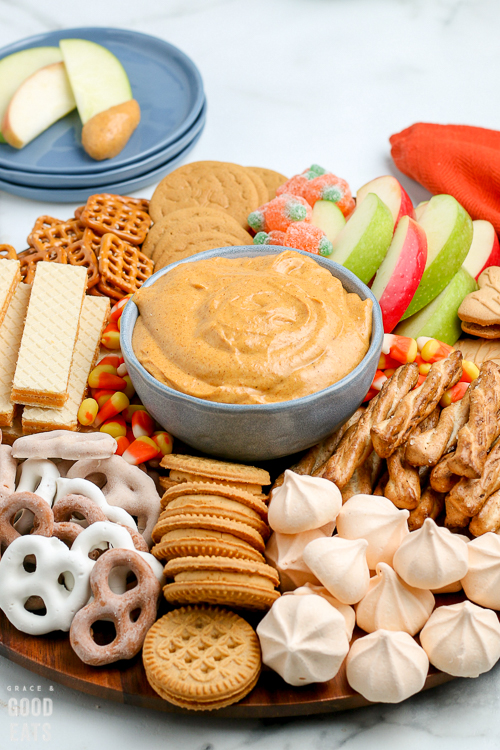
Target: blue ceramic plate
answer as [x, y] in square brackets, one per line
[80, 195]
[95, 180]
[165, 82]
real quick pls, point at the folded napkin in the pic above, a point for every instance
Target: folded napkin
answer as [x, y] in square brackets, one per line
[456, 159]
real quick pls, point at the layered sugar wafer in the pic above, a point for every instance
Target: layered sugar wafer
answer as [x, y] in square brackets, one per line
[50, 332]
[93, 319]
[11, 331]
[10, 277]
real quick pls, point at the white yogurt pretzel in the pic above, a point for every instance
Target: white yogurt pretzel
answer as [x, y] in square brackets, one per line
[79, 486]
[65, 444]
[38, 475]
[62, 600]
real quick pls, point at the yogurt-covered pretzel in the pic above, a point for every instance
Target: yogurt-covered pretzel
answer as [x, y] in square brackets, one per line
[127, 487]
[77, 486]
[39, 475]
[66, 532]
[39, 510]
[60, 579]
[118, 608]
[66, 507]
[64, 444]
[8, 470]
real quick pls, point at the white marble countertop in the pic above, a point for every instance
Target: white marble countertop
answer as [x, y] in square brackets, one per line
[289, 82]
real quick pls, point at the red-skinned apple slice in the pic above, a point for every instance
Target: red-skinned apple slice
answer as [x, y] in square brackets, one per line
[392, 193]
[484, 250]
[399, 275]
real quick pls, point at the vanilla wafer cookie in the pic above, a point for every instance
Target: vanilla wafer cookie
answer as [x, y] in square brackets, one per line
[210, 523]
[10, 277]
[215, 470]
[227, 581]
[194, 542]
[201, 657]
[50, 332]
[11, 332]
[94, 316]
[232, 493]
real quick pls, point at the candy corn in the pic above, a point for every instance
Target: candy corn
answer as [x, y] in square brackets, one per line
[88, 411]
[130, 411]
[111, 337]
[112, 359]
[470, 371]
[454, 394]
[401, 348]
[113, 406]
[104, 376]
[101, 396]
[142, 424]
[378, 380]
[371, 393]
[122, 443]
[164, 442]
[117, 309]
[387, 363]
[129, 390]
[121, 370]
[434, 350]
[142, 449]
[115, 427]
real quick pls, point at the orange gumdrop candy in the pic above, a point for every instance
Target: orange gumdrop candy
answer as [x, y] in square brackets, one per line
[328, 187]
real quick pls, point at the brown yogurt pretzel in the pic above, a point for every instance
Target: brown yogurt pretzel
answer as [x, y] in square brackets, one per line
[66, 508]
[122, 267]
[10, 505]
[109, 213]
[67, 531]
[120, 609]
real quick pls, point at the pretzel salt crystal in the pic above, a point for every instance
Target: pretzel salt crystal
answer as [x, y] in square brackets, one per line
[356, 445]
[428, 447]
[483, 427]
[430, 505]
[416, 405]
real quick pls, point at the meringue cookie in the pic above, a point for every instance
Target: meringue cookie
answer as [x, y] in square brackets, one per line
[345, 610]
[340, 565]
[393, 605]
[303, 638]
[482, 581]
[431, 557]
[462, 640]
[377, 520]
[386, 666]
[284, 552]
[303, 503]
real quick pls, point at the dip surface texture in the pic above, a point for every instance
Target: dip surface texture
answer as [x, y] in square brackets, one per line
[250, 330]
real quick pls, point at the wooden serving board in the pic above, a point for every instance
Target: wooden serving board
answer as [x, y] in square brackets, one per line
[52, 657]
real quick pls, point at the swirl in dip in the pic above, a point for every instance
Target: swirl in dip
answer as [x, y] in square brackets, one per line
[250, 330]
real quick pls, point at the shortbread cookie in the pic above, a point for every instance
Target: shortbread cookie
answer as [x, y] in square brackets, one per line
[271, 179]
[227, 581]
[484, 332]
[194, 542]
[210, 523]
[213, 469]
[175, 231]
[11, 331]
[201, 657]
[10, 277]
[483, 306]
[206, 183]
[200, 488]
[50, 332]
[94, 316]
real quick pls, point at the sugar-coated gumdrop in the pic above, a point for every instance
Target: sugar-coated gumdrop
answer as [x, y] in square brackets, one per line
[275, 237]
[257, 219]
[307, 237]
[314, 171]
[294, 186]
[285, 210]
[328, 187]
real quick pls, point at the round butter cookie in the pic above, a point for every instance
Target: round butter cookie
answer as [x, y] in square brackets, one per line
[202, 657]
[206, 183]
[183, 246]
[256, 503]
[218, 506]
[271, 179]
[195, 542]
[210, 523]
[213, 469]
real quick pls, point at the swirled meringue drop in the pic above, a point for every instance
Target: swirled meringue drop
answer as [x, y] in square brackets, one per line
[431, 557]
[390, 604]
[462, 640]
[377, 520]
[482, 581]
[340, 565]
[344, 609]
[284, 552]
[303, 503]
[303, 639]
[386, 666]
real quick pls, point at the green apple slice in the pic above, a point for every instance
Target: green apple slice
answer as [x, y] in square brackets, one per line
[363, 243]
[40, 100]
[439, 319]
[448, 227]
[328, 217]
[97, 77]
[16, 68]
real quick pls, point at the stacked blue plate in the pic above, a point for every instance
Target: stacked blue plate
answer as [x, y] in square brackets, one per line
[169, 89]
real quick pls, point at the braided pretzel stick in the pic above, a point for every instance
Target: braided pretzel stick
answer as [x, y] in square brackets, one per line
[356, 445]
[417, 405]
[10, 505]
[430, 506]
[116, 608]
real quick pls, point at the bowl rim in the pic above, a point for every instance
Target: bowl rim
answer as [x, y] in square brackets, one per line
[131, 310]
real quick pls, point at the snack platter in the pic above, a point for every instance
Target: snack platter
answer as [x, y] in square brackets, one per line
[295, 576]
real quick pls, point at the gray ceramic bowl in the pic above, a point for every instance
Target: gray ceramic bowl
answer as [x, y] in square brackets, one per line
[254, 432]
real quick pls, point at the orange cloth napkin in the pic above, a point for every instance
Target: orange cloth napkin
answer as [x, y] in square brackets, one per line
[460, 160]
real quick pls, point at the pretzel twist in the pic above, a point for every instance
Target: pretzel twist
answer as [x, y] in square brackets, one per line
[469, 495]
[442, 478]
[10, 505]
[426, 448]
[430, 505]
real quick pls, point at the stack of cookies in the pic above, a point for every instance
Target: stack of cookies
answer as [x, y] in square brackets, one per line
[212, 533]
[480, 310]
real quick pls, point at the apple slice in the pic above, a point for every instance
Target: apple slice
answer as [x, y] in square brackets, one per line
[484, 250]
[399, 275]
[392, 193]
[328, 217]
[40, 101]
[419, 210]
[16, 68]
[439, 319]
[448, 227]
[362, 244]
[97, 77]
